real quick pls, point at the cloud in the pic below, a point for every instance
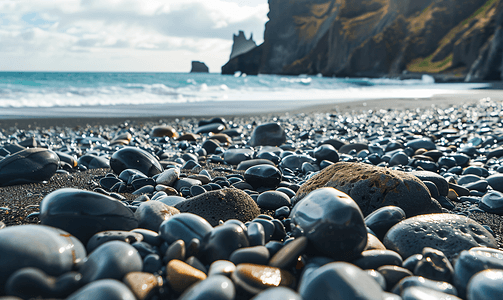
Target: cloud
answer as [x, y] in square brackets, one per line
[62, 27]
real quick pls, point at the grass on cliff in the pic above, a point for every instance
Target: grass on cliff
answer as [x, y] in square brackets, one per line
[425, 65]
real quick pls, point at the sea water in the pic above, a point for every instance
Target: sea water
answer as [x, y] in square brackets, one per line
[70, 89]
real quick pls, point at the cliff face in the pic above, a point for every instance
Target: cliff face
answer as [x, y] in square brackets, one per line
[379, 38]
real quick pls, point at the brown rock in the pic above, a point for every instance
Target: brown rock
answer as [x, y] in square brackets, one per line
[142, 284]
[181, 275]
[256, 278]
[162, 131]
[374, 187]
[221, 138]
[221, 205]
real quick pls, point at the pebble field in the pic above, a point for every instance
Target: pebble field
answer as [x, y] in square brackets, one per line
[376, 204]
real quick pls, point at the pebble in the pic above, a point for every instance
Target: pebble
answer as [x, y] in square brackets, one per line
[168, 177]
[180, 275]
[263, 176]
[332, 223]
[258, 255]
[485, 285]
[422, 293]
[448, 233]
[135, 158]
[339, 280]
[268, 134]
[102, 237]
[49, 249]
[214, 287]
[492, 202]
[29, 165]
[373, 259]
[418, 281]
[184, 226]
[256, 278]
[112, 260]
[143, 285]
[382, 219]
[105, 289]
[236, 156]
[84, 213]
[273, 200]
[222, 241]
[151, 214]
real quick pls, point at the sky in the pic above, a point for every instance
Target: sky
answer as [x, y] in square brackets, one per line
[124, 35]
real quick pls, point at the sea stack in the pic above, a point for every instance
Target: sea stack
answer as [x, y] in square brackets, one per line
[199, 67]
[241, 44]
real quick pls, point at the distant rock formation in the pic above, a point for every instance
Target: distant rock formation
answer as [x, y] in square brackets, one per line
[459, 38]
[241, 44]
[199, 67]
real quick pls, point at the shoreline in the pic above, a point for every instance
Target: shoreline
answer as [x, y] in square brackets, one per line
[44, 117]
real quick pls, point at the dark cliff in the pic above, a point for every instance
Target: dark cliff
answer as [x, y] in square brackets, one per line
[462, 38]
[241, 44]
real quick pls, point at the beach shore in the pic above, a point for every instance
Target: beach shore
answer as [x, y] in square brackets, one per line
[44, 117]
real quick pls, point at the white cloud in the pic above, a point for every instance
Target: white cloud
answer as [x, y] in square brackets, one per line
[89, 31]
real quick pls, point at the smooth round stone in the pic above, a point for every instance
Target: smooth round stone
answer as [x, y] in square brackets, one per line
[128, 175]
[149, 236]
[186, 183]
[181, 275]
[492, 202]
[168, 177]
[339, 280]
[135, 158]
[236, 156]
[164, 130]
[184, 226]
[357, 147]
[143, 285]
[212, 127]
[112, 235]
[382, 219]
[448, 233]
[219, 243]
[84, 213]
[246, 164]
[93, 161]
[372, 187]
[378, 277]
[106, 289]
[210, 146]
[294, 162]
[326, 152]
[432, 188]
[29, 165]
[418, 281]
[171, 200]
[423, 293]
[332, 222]
[496, 182]
[480, 185]
[256, 278]
[273, 200]
[214, 287]
[30, 283]
[373, 243]
[197, 190]
[277, 293]
[112, 260]
[423, 143]
[268, 134]
[485, 285]
[263, 176]
[393, 274]
[256, 234]
[434, 265]
[258, 255]
[221, 267]
[476, 171]
[108, 182]
[439, 181]
[152, 263]
[473, 261]
[289, 253]
[268, 225]
[49, 249]
[373, 259]
[470, 178]
[175, 251]
[222, 205]
[151, 214]
[399, 158]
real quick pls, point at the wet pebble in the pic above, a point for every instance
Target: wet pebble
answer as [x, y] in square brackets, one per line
[29, 165]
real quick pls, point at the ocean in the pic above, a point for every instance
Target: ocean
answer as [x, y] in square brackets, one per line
[43, 94]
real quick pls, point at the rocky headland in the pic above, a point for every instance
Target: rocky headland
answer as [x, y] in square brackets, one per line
[451, 39]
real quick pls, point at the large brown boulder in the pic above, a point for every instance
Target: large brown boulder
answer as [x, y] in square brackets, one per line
[374, 187]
